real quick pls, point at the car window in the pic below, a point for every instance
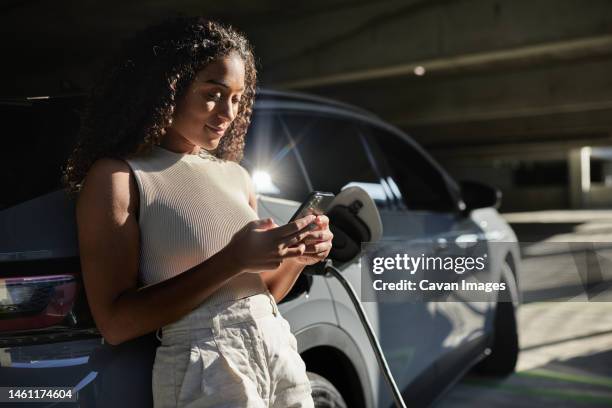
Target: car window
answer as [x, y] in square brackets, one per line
[37, 139]
[413, 178]
[335, 154]
[272, 160]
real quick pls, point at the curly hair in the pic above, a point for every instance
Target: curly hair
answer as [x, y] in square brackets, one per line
[128, 111]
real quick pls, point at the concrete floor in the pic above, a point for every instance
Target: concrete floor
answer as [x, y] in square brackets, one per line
[565, 333]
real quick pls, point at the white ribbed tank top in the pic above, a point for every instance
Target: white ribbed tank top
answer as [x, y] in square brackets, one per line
[190, 207]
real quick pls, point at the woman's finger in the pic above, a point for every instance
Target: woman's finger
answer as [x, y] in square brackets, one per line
[293, 227]
[322, 220]
[295, 238]
[317, 248]
[318, 236]
[294, 251]
[298, 238]
[322, 254]
[318, 257]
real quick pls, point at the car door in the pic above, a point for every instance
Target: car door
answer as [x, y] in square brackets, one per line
[429, 211]
[281, 185]
[336, 154]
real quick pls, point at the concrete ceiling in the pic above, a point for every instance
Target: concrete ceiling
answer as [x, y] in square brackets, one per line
[495, 72]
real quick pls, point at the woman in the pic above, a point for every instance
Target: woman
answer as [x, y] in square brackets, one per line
[167, 222]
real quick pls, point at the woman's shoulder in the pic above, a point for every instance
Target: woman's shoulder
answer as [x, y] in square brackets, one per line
[109, 170]
[244, 173]
[240, 168]
[106, 166]
[111, 180]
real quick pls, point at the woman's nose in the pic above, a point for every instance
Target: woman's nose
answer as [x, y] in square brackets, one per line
[226, 110]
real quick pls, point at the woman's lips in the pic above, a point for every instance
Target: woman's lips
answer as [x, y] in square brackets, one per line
[216, 129]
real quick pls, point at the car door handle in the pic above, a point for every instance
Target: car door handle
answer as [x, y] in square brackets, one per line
[440, 244]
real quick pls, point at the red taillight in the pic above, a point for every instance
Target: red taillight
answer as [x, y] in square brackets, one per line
[36, 302]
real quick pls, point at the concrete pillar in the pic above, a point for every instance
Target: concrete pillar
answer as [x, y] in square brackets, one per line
[579, 161]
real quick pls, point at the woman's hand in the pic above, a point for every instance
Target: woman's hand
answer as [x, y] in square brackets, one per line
[318, 243]
[262, 245]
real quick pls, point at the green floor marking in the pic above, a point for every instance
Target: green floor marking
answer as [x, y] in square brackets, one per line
[542, 392]
[577, 378]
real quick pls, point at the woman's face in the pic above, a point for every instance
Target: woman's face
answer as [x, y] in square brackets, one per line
[208, 107]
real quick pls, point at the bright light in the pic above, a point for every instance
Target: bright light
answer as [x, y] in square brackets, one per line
[419, 70]
[263, 183]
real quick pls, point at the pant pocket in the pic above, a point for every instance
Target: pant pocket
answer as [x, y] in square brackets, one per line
[220, 371]
[242, 363]
[188, 375]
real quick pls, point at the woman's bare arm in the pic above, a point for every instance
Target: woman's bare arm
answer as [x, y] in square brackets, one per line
[109, 241]
[281, 280]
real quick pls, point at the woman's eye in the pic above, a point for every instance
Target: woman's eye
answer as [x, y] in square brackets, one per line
[214, 97]
[236, 100]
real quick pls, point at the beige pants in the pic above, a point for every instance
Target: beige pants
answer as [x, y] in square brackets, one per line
[238, 354]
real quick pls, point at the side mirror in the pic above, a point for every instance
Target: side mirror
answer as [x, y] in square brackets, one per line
[479, 195]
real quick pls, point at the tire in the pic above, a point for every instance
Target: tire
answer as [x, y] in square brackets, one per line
[324, 394]
[501, 362]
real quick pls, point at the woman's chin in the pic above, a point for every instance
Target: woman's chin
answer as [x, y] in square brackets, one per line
[211, 144]
[212, 140]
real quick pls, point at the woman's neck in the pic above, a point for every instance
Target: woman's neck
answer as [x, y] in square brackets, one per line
[176, 143]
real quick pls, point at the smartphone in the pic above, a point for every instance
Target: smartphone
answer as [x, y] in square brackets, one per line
[316, 203]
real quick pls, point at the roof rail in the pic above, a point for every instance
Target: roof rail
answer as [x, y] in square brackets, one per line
[304, 97]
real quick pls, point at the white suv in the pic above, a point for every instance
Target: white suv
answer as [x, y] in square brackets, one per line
[297, 143]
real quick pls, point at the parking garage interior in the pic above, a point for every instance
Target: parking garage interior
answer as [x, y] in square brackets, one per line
[514, 94]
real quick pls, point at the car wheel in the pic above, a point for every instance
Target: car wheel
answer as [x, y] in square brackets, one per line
[324, 394]
[505, 348]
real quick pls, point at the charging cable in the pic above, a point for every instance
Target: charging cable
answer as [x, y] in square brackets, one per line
[327, 267]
